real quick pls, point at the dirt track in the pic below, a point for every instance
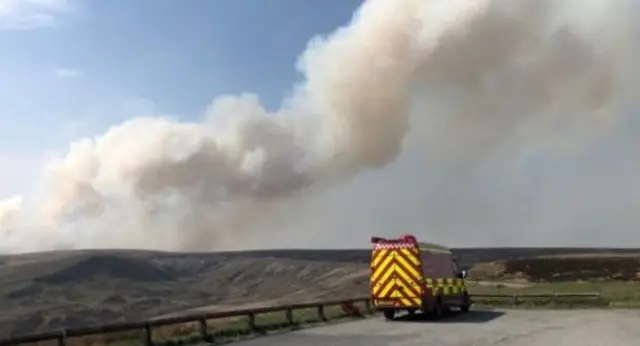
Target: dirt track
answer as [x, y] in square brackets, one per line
[478, 328]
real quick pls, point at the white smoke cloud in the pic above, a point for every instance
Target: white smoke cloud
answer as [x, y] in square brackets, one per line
[418, 115]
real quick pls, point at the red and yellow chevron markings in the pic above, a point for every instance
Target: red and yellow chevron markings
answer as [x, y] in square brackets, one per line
[396, 274]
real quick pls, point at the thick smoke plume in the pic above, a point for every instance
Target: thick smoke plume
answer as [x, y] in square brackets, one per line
[463, 89]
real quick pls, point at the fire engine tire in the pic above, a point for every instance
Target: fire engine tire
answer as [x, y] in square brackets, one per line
[438, 309]
[389, 314]
[466, 303]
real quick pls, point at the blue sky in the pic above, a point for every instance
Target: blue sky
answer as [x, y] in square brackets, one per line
[72, 67]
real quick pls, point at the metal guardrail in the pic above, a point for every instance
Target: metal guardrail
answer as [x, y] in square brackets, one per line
[553, 296]
[147, 326]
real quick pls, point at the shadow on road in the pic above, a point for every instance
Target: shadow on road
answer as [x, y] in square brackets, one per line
[473, 316]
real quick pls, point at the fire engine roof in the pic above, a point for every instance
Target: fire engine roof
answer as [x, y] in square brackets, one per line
[435, 248]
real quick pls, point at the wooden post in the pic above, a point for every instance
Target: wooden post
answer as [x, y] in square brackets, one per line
[148, 335]
[204, 333]
[321, 314]
[367, 304]
[289, 314]
[252, 321]
[62, 339]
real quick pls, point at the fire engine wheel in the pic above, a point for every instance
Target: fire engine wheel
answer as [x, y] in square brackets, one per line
[389, 314]
[438, 309]
[466, 303]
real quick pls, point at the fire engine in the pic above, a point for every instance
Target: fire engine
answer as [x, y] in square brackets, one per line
[407, 275]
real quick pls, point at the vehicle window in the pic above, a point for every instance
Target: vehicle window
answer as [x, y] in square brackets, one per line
[427, 264]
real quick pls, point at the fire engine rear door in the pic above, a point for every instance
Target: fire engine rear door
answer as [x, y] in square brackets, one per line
[406, 277]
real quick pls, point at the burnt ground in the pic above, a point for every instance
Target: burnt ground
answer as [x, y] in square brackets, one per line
[52, 290]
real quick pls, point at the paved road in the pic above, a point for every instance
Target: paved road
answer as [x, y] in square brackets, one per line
[477, 328]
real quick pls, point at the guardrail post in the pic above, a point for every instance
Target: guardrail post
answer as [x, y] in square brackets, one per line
[367, 305]
[204, 332]
[62, 339]
[515, 300]
[321, 314]
[252, 321]
[289, 315]
[350, 309]
[148, 335]
[554, 298]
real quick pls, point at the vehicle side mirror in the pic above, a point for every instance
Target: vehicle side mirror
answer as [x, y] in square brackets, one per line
[463, 273]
